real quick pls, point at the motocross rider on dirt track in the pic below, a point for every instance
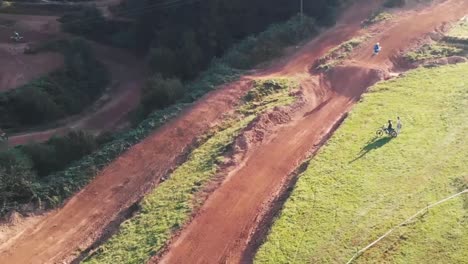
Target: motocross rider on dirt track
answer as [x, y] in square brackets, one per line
[377, 48]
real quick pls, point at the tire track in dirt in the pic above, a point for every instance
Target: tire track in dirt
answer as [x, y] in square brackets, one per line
[220, 233]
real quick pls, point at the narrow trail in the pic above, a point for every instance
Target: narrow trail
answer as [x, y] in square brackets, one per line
[221, 231]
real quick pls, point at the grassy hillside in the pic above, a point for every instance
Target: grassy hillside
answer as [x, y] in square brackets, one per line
[359, 186]
[170, 205]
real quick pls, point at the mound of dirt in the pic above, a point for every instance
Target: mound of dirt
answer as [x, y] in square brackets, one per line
[349, 80]
[444, 61]
[257, 131]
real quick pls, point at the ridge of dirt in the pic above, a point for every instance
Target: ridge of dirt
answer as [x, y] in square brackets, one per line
[272, 208]
[258, 131]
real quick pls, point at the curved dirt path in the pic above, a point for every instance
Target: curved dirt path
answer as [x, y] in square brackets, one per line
[222, 230]
[122, 96]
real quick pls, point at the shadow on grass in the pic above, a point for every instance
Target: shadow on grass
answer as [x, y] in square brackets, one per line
[373, 144]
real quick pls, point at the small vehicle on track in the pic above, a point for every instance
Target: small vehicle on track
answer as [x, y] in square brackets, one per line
[377, 49]
[3, 136]
[384, 130]
[16, 37]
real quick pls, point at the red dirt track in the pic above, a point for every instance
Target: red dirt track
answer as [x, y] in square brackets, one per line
[221, 230]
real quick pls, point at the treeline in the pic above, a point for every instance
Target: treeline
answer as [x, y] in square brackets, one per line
[57, 95]
[181, 40]
[23, 169]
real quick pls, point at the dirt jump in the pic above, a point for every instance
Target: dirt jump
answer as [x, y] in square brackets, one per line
[223, 229]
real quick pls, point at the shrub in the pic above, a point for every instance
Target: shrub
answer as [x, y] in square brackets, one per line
[16, 179]
[268, 44]
[87, 21]
[159, 93]
[394, 3]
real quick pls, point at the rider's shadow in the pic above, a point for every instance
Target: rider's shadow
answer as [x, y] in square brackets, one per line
[373, 144]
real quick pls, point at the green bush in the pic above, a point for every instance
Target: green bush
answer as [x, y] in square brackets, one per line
[87, 21]
[23, 169]
[159, 93]
[394, 3]
[268, 44]
[433, 51]
[16, 179]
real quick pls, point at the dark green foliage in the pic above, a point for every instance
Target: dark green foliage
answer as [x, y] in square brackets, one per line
[263, 89]
[159, 93]
[394, 3]
[24, 168]
[59, 152]
[268, 44]
[90, 22]
[83, 22]
[57, 95]
[194, 32]
[16, 179]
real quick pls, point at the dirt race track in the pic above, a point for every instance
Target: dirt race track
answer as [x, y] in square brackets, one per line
[122, 96]
[221, 230]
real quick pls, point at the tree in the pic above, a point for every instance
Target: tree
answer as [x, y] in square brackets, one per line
[159, 93]
[16, 177]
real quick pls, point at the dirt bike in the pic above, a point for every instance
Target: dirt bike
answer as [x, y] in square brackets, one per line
[16, 38]
[377, 51]
[385, 130]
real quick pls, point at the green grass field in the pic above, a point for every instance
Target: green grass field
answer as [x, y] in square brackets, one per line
[460, 30]
[170, 205]
[359, 186]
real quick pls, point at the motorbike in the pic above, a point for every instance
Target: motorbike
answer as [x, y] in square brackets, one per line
[384, 130]
[16, 38]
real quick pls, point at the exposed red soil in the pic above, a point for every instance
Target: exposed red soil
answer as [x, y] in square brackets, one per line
[221, 230]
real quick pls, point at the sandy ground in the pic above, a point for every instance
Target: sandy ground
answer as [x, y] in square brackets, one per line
[221, 230]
